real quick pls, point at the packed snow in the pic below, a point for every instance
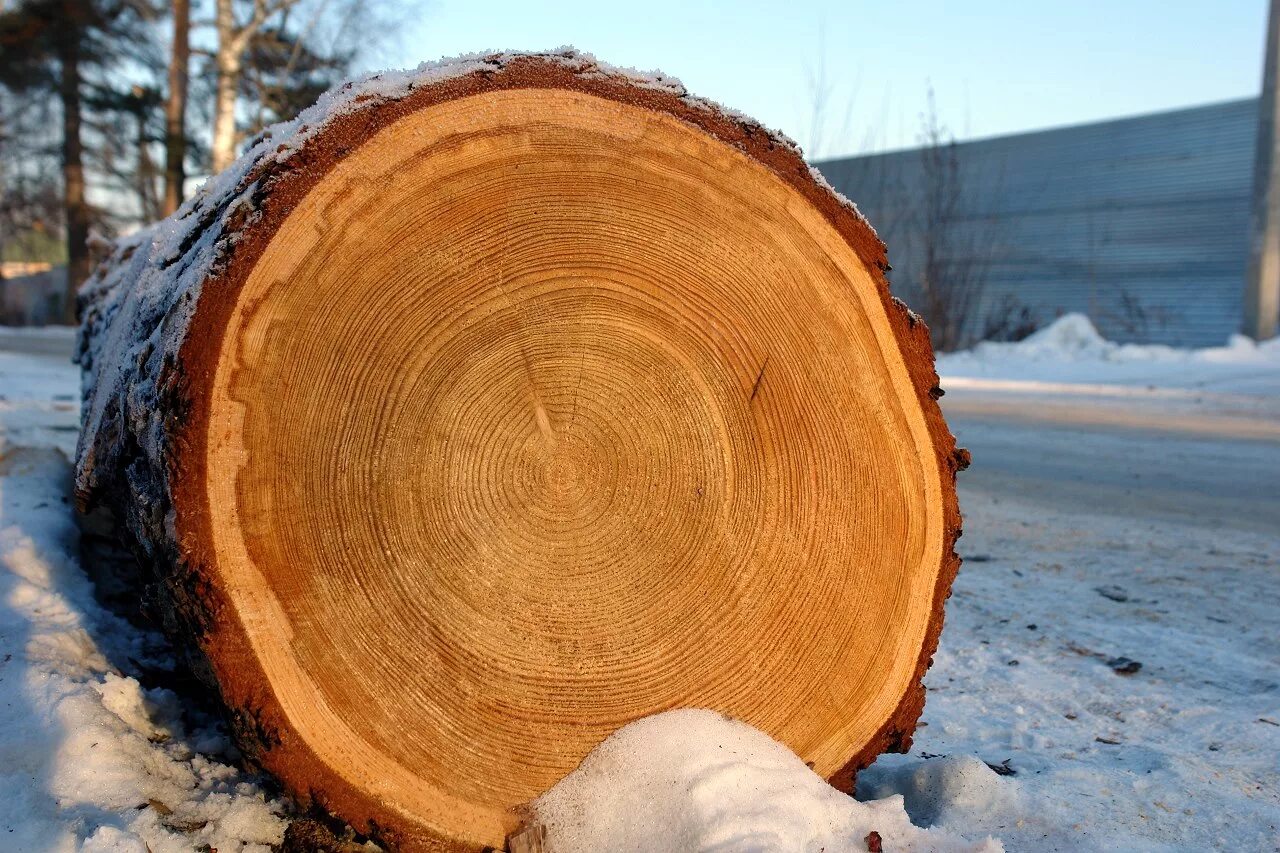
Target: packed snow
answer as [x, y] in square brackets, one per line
[1109, 675]
[696, 780]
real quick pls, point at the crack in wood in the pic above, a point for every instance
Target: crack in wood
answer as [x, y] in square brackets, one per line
[755, 389]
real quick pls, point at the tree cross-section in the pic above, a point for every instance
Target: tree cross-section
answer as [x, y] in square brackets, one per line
[487, 408]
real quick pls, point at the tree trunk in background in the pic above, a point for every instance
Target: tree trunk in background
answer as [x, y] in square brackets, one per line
[234, 40]
[227, 63]
[526, 398]
[74, 201]
[175, 130]
[149, 202]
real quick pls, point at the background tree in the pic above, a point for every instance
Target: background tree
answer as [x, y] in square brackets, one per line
[127, 127]
[273, 57]
[175, 109]
[47, 47]
[30, 183]
[951, 244]
[235, 31]
[112, 104]
[928, 207]
[284, 75]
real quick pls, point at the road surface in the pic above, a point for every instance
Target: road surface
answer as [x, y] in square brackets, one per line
[1137, 460]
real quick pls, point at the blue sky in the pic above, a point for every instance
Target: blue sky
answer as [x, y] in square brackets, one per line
[996, 67]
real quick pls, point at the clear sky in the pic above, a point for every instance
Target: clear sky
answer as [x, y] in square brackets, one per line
[996, 67]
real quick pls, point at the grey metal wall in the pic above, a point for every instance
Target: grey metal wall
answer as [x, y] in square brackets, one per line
[1142, 223]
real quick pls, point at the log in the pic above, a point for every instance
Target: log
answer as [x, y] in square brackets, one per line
[488, 407]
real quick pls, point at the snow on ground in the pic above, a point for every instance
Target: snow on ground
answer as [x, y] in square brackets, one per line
[1109, 676]
[1067, 373]
[89, 758]
[1127, 671]
[1114, 634]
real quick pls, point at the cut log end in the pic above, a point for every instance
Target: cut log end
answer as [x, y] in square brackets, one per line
[536, 402]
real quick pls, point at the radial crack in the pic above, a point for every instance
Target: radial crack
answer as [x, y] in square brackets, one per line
[755, 389]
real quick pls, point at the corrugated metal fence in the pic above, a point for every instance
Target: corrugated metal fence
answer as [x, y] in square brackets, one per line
[1142, 223]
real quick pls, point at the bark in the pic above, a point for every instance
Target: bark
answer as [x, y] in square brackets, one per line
[74, 201]
[153, 331]
[175, 142]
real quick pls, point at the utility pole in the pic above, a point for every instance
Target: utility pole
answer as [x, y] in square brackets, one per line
[1262, 287]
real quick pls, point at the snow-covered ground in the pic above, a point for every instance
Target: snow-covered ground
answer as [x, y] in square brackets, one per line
[89, 758]
[1123, 508]
[1068, 373]
[1109, 677]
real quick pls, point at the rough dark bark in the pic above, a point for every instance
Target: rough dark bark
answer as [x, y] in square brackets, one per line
[152, 319]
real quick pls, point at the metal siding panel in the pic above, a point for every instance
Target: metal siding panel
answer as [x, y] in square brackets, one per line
[1154, 207]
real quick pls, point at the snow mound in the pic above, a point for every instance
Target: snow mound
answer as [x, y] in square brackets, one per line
[1072, 334]
[1070, 350]
[1072, 337]
[694, 780]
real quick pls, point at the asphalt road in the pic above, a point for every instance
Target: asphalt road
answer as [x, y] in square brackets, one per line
[1143, 461]
[54, 344]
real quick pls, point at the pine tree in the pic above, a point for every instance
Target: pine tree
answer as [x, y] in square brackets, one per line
[47, 47]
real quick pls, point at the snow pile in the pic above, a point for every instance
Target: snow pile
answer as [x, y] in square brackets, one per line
[89, 759]
[1073, 338]
[695, 780]
[1071, 351]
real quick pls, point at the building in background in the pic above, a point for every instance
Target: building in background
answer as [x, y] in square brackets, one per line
[1141, 223]
[31, 293]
